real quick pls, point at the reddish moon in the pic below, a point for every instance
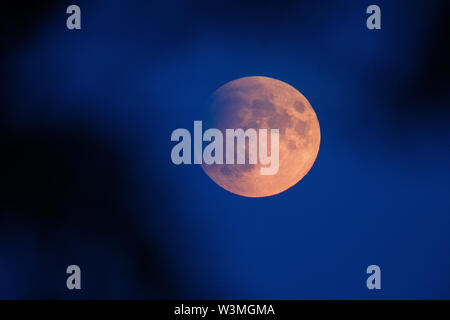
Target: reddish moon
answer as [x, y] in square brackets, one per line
[265, 103]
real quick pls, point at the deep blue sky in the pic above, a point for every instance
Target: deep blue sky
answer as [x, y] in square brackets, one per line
[87, 122]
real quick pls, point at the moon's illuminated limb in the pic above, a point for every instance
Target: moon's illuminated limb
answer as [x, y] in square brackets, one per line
[265, 103]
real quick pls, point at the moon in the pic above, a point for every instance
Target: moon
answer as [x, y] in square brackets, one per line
[265, 103]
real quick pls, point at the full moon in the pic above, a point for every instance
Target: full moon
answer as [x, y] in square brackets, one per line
[265, 103]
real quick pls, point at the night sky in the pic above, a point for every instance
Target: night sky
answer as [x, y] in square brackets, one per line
[87, 179]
